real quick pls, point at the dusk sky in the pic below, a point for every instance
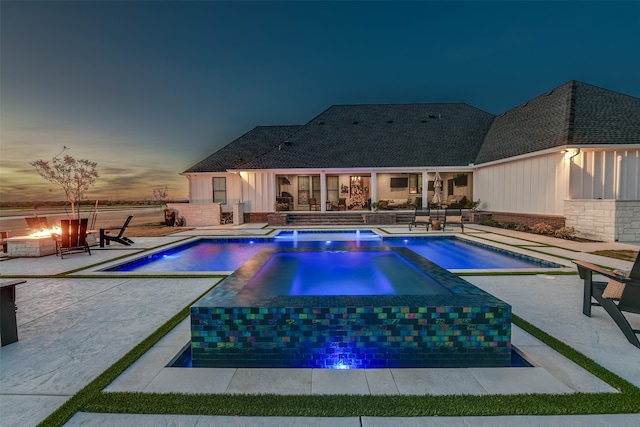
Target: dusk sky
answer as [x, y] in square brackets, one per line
[147, 89]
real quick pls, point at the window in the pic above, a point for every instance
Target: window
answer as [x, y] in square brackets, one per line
[220, 190]
[415, 183]
[315, 187]
[332, 188]
[303, 190]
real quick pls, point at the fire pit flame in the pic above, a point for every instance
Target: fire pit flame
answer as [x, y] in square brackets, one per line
[46, 232]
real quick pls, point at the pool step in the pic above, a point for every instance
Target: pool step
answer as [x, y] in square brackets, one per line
[348, 218]
[325, 219]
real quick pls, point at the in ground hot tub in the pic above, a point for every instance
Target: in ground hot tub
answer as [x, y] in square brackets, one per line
[349, 308]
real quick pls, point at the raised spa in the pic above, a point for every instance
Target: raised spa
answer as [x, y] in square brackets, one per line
[353, 308]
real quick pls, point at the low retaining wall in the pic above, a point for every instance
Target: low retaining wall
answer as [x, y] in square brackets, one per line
[197, 214]
[379, 218]
[607, 220]
[205, 214]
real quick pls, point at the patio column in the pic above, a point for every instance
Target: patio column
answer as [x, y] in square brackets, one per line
[425, 188]
[374, 187]
[323, 191]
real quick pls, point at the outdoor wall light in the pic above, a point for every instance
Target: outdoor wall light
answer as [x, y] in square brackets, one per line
[570, 153]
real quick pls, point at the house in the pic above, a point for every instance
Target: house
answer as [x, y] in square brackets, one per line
[570, 156]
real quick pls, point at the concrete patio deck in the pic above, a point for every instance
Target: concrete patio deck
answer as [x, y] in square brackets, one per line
[72, 328]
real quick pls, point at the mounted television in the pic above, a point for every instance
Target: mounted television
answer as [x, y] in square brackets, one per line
[399, 182]
[460, 180]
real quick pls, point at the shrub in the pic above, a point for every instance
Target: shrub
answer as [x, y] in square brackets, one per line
[510, 225]
[492, 223]
[524, 228]
[279, 207]
[473, 206]
[542, 228]
[565, 232]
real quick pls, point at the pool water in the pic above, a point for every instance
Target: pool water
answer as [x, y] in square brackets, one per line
[341, 273]
[208, 254]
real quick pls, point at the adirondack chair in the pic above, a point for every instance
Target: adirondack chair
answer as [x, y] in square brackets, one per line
[623, 289]
[37, 223]
[4, 235]
[106, 237]
[72, 237]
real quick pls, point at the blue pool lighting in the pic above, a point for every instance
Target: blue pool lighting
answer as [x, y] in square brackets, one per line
[211, 254]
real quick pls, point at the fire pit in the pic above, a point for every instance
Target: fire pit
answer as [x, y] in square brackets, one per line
[39, 243]
[31, 246]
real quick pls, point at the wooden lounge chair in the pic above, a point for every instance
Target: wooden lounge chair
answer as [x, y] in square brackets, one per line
[453, 216]
[106, 237]
[624, 289]
[72, 237]
[421, 217]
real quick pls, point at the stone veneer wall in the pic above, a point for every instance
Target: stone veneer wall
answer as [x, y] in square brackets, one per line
[607, 220]
[238, 213]
[197, 214]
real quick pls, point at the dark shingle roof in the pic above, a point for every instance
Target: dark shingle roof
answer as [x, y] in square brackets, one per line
[253, 143]
[383, 135]
[429, 135]
[574, 113]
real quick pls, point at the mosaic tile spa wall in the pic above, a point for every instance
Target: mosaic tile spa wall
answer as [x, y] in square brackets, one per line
[466, 328]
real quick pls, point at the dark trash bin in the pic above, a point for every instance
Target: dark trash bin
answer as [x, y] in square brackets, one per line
[8, 324]
[169, 218]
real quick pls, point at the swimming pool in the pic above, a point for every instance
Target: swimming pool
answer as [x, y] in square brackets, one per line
[260, 316]
[226, 255]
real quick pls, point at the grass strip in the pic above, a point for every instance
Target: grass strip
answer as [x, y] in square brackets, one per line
[265, 405]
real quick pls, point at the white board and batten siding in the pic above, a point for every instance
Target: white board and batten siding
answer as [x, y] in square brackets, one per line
[249, 188]
[535, 185]
[258, 191]
[608, 175]
[541, 184]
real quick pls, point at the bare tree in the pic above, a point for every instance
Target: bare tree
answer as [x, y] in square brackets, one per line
[75, 176]
[160, 194]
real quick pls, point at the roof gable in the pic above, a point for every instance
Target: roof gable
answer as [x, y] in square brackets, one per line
[574, 113]
[254, 143]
